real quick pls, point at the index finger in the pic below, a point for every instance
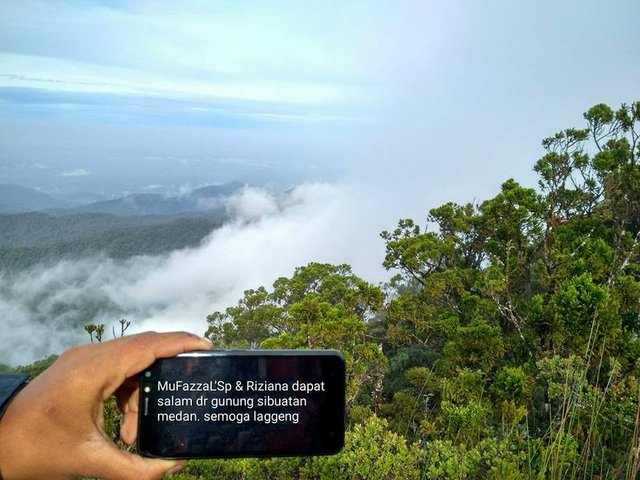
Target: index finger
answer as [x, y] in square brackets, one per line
[132, 354]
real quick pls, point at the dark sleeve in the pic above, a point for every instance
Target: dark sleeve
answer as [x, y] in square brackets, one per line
[10, 385]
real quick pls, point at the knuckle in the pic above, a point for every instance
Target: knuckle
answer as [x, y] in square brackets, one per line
[141, 346]
[148, 334]
[143, 341]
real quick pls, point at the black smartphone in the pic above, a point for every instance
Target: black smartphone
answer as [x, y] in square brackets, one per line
[243, 403]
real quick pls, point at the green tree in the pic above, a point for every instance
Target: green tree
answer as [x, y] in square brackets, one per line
[320, 306]
[527, 306]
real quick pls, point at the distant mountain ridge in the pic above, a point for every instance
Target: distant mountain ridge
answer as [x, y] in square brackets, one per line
[17, 199]
[39, 228]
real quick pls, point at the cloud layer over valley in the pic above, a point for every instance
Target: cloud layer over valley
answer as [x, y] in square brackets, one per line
[44, 308]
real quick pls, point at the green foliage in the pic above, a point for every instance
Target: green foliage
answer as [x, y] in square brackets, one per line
[371, 452]
[405, 369]
[36, 368]
[248, 324]
[476, 345]
[528, 307]
[27, 239]
[96, 330]
[577, 307]
[510, 383]
[490, 459]
[320, 306]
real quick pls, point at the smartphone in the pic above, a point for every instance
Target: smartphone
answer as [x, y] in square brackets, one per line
[243, 403]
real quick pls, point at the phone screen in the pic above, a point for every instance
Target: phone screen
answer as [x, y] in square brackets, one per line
[243, 403]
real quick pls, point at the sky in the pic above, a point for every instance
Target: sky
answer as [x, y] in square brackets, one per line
[115, 96]
[370, 111]
[185, 88]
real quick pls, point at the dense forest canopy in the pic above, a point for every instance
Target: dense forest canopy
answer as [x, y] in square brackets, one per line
[506, 346]
[35, 238]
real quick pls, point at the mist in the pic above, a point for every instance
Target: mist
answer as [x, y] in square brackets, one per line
[44, 308]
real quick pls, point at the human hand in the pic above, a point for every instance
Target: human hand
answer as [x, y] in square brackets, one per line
[54, 427]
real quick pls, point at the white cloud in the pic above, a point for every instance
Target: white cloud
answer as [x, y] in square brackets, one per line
[271, 237]
[79, 172]
[251, 204]
[75, 76]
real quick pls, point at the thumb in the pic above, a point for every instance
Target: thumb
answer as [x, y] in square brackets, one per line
[111, 463]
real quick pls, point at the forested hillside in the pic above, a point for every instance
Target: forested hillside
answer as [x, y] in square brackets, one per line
[506, 345]
[27, 239]
[201, 199]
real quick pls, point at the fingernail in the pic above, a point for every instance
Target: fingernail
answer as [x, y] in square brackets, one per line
[175, 469]
[208, 341]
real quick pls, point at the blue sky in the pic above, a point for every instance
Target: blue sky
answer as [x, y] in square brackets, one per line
[206, 62]
[127, 94]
